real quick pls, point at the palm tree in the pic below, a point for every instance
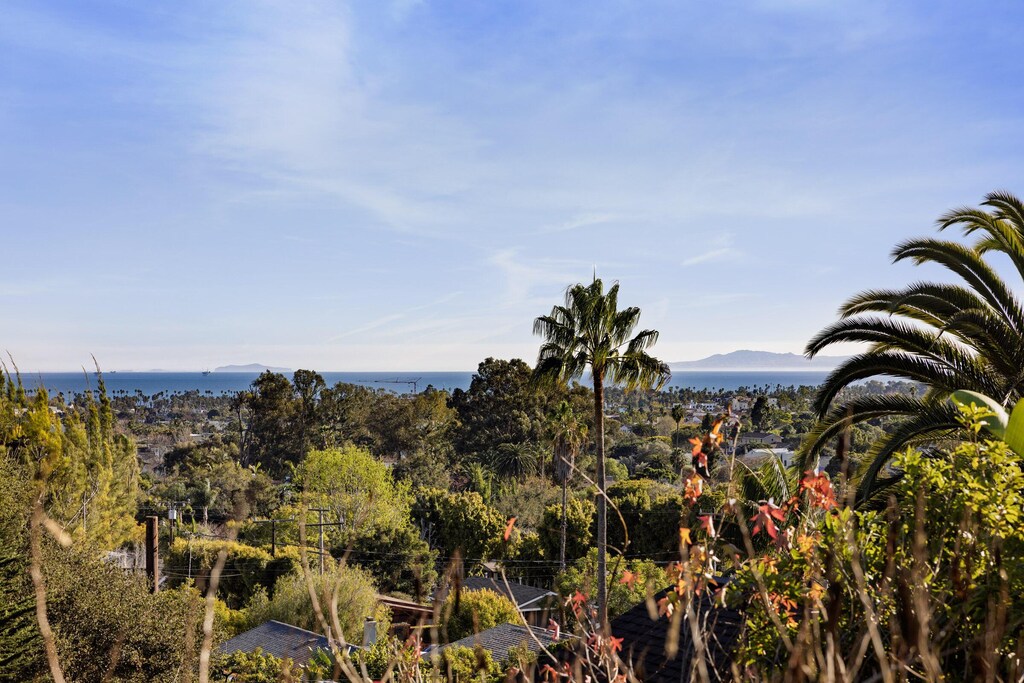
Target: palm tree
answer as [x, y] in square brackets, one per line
[568, 434]
[678, 413]
[967, 335]
[513, 460]
[589, 331]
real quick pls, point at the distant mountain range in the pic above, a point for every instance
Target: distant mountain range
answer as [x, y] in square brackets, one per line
[251, 367]
[759, 360]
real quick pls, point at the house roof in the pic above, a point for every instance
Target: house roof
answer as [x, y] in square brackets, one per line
[760, 435]
[406, 607]
[525, 597]
[280, 640]
[643, 642]
[502, 638]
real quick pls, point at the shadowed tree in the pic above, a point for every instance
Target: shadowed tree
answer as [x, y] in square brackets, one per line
[963, 335]
[590, 332]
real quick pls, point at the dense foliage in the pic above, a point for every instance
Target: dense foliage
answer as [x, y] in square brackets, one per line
[466, 612]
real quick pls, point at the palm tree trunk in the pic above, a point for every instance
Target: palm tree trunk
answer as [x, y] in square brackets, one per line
[565, 526]
[602, 504]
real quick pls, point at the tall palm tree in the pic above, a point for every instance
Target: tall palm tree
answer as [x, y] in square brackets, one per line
[568, 434]
[967, 335]
[589, 331]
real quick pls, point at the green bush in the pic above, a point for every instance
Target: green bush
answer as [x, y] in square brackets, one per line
[940, 566]
[579, 519]
[246, 568]
[254, 667]
[463, 665]
[581, 576]
[106, 619]
[472, 611]
[353, 588]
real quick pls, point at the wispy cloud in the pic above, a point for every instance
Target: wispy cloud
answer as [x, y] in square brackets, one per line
[385, 320]
[585, 220]
[721, 249]
[712, 255]
[523, 276]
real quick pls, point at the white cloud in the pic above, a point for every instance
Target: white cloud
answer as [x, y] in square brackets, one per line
[584, 220]
[712, 255]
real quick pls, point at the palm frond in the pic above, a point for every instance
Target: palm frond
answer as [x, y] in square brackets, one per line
[900, 365]
[941, 422]
[861, 409]
[971, 267]
[769, 479]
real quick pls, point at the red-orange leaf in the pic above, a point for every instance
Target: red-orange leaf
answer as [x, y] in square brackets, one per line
[708, 522]
[764, 519]
[693, 488]
[819, 488]
[508, 528]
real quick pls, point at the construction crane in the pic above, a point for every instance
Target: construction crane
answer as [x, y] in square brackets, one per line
[414, 383]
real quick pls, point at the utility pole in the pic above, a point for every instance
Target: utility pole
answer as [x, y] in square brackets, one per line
[153, 553]
[321, 511]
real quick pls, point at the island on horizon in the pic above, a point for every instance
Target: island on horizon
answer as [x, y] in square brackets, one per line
[251, 367]
[759, 360]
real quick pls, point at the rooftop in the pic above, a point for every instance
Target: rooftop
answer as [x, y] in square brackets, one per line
[643, 642]
[280, 640]
[500, 639]
[524, 596]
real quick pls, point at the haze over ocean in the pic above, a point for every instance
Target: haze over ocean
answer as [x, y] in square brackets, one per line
[150, 383]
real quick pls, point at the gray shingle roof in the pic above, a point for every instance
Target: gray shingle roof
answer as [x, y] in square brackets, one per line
[502, 638]
[643, 642]
[278, 639]
[524, 596]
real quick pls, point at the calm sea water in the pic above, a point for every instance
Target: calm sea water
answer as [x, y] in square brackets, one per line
[150, 383]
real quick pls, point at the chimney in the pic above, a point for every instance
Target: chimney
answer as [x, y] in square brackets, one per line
[369, 632]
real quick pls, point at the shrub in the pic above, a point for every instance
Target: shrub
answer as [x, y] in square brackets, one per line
[466, 664]
[107, 620]
[246, 569]
[579, 519]
[647, 578]
[352, 587]
[472, 611]
[254, 667]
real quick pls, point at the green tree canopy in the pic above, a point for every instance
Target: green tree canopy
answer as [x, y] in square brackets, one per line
[502, 407]
[358, 490]
[374, 515]
[579, 520]
[86, 469]
[582, 577]
[459, 521]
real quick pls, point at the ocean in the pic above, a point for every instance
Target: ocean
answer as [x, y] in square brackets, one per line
[150, 383]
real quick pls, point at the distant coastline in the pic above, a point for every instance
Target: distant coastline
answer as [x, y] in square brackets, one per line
[152, 383]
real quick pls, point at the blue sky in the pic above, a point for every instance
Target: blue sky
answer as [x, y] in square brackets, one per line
[405, 185]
